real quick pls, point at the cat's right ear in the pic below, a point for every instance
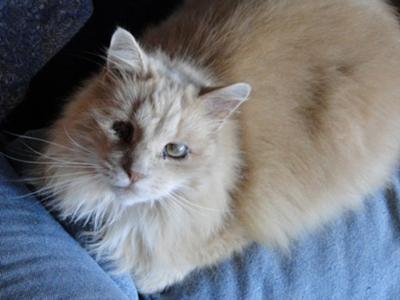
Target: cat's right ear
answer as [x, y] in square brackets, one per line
[221, 102]
[125, 54]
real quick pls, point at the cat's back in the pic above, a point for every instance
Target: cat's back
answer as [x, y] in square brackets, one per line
[227, 34]
[287, 49]
[321, 127]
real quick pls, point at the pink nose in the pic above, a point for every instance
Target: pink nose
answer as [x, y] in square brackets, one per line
[134, 176]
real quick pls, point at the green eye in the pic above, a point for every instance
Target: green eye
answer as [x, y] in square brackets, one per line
[176, 151]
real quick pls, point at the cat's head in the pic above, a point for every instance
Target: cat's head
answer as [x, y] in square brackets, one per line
[143, 129]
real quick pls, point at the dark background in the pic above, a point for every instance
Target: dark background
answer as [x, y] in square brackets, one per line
[81, 57]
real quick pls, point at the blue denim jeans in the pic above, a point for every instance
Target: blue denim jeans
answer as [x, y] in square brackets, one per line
[355, 257]
[39, 259]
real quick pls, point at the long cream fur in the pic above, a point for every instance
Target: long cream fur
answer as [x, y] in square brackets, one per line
[320, 130]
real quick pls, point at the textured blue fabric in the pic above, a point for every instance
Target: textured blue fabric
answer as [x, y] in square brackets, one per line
[31, 32]
[356, 257]
[39, 260]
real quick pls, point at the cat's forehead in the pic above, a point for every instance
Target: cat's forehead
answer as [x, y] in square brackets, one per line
[149, 98]
[157, 106]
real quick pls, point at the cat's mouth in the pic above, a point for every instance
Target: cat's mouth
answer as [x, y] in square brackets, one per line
[130, 196]
[126, 190]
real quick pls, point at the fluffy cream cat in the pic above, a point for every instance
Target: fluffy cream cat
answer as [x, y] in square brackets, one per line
[152, 152]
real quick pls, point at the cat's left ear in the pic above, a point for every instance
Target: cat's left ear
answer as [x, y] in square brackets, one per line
[221, 102]
[125, 54]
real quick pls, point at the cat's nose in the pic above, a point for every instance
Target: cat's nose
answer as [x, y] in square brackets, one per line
[125, 178]
[134, 176]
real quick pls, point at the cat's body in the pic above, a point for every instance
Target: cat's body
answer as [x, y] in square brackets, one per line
[320, 131]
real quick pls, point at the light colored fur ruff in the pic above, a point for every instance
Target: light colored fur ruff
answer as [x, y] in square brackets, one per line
[320, 131]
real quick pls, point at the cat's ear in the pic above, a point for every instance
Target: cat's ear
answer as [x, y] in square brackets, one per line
[221, 102]
[124, 53]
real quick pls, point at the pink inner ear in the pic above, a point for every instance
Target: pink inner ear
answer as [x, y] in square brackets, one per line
[220, 109]
[220, 102]
[125, 53]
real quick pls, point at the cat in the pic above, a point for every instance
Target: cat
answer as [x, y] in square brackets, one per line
[230, 122]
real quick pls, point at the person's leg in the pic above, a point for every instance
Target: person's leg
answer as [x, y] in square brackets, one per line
[38, 258]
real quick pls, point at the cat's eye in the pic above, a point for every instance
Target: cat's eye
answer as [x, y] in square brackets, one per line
[123, 130]
[176, 151]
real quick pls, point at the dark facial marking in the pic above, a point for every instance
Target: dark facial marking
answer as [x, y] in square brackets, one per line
[126, 163]
[129, 134]
[207, 89]
[124, 130]
[137, 134]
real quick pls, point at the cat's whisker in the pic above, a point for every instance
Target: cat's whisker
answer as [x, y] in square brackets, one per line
[171, 200]
[38, 140]
[51, 200]
[184, 205]
[107, 165]
[172, 205]
[58, 187]
[41, 155]
[42, 178]
[71, 163]
[37, 160]
[50, 163]
[194, 205]
[75, 142]
[35, 155]
[48, 190]
[53, 204]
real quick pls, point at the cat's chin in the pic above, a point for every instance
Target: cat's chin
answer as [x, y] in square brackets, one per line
[129, 197]
[131, 201]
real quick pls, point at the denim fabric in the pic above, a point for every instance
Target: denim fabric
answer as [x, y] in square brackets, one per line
[39, 260]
